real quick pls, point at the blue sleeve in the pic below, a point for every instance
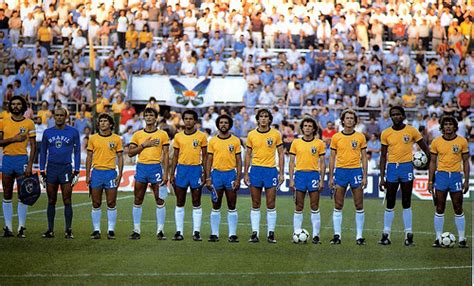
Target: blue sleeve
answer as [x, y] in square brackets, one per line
[77, 151]
[43, 151]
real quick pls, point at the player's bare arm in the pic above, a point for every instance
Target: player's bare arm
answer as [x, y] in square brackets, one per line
[466, 170]
[248, 158]
[174, 163]
[88, 166]
[120, 168]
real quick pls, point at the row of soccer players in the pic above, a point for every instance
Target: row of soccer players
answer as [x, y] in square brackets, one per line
[218, 165]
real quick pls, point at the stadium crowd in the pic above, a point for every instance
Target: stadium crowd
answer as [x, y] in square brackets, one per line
[300, 58]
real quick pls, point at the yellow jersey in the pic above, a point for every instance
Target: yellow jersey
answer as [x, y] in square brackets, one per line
[224, 152]
[44, 115]
[190, 147]
[400, 143]
[101, 102]
[11, 128]
[150, 155]
[449, 152]
[264, 145]
[307, 153]
[348, 147]
[105, 149]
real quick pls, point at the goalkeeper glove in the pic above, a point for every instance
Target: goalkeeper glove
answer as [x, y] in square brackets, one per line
[75, 178]
[43, 179]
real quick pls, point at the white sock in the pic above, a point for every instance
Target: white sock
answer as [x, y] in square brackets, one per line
[215, 221]
[232, 218]
[297, 220]
[137, 217]
[316, 221]
[337, 221]
[160, 217]
[96, 213]
[407, 220]
[22, 209]
[388, 217]
[438, 224]
[255, 220]
[360, 217]
[271, 219]
[8, 213]
[179, 218]
[197, 218]
[112, 218]
[460, 222]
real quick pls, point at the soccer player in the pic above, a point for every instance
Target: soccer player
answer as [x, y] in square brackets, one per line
[103, 151]
[262, 143]
[308, 153]
[58, 145]
[397, 145]
[187, 170]
[447, 151]
[224, 159]
[349, 158]
[152, 147]
[16, 132]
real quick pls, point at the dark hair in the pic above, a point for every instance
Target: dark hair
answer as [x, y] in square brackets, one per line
[350, 111]
[399, 108]
[24, 105]
[108, 117]
[225, 116]
[448, 118]
[262, 110]
[309, 119]
[192, 112]
[151, 110]
[66, 113]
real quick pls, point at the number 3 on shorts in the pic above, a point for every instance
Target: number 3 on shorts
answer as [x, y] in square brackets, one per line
[275, 182]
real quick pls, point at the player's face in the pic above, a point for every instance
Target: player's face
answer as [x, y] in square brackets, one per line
[189, 121]
[308, 129]
[60, 117]
[104, 124]
[224, 125]
[263, 119]
[349, 120]
[16, 107]
[397, 117]
[150, 118]
[448, 128]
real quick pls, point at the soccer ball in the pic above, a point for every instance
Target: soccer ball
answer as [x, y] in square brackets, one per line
[447, 240]
[419, 159]
[300, 236]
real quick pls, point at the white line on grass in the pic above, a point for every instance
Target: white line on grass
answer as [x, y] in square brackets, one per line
[158, 274]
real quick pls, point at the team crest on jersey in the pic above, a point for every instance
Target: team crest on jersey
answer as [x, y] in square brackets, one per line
[22, 130]
[456, 149]
[58, 144]
[354, 144]
[111, 145]
[313, 150]
[406, 138]
[269, 142]
[195, 143]
[231, 148]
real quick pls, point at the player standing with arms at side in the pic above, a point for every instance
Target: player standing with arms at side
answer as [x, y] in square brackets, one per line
[308, 152]
[15, 134]
[349, 158]
[187, 170]
[152, 147]
[397, 144]
[58, 145]
[104, 152]
[224, 159]
[447, 151]
[262, 143]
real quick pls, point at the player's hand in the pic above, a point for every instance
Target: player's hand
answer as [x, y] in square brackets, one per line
[117, 181]
[75, 178]
[364, 182]
[20, 137]
[43, 179]
[164, 181]
[236, 184]
[430, 188]
[208, 182]
[331, 184]
[88, 181]
[28, 170]
[247, 180]
[291, 186]
[321, 185]
[382, 185]
[465, 187]
[281, 179]
[172, 180]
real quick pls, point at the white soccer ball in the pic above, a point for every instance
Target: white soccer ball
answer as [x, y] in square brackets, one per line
[300, 236]
[419, 159]
[447, 240]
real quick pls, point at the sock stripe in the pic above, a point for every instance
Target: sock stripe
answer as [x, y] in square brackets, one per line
[160, 206]
[439, 215]
[315, 211]
[389, 210]
[137, 206]
[271, 210]
[197, 208]
[337, 211]
[255, 210]
[360, 211]
[96, 209]
[216, 211]
[7, 201]
[112, 209]
[232, 211]
[460, 215]
[298, 212]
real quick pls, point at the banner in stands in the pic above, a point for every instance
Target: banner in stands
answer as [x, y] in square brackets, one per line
[372, 191]
[187, 91]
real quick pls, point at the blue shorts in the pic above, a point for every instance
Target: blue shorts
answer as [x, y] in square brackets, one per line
[14, 165]
[223, 179]
[58, 174]
[448, 181]
[103, 179]
[344, 177]
[263, 177]
[188, 176]
[307, 181]
[148, 173]
[399, 172]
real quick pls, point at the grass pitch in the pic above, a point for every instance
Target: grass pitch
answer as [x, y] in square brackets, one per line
[35, 260]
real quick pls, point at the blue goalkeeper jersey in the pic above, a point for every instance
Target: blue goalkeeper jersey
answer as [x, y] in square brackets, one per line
[58, 146]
